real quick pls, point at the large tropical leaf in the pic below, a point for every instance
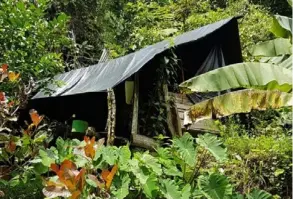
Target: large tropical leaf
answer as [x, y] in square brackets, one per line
[239, 102]
[170, 190]
[213, 145]
[272, 48]
[150, 188]
[241, 75]
[185, 148]
[284, 61]
[282, 26]
[215, 186]
[258, 194]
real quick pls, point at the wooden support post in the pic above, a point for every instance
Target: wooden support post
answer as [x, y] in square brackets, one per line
[134, 125]
[173, 120]
[136, 139]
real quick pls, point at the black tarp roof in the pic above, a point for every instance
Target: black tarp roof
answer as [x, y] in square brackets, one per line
[102, 76]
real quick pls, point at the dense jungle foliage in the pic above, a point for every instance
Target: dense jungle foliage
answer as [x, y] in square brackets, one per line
[250, 158]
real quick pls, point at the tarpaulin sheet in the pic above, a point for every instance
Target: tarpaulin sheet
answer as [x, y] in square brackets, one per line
[102, 76]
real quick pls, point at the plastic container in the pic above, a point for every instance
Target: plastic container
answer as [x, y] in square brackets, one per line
[79, 126]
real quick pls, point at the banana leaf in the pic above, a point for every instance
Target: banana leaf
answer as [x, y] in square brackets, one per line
[242, 101]
[283, 61]
[241, 75]
[282, 26]
[272, 48]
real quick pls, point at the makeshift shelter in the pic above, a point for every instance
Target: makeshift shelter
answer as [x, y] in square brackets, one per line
[85, 89]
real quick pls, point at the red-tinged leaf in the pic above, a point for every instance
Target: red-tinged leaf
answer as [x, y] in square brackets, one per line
[2, 97]
[80, 179]
[10, 104]
[55, 168]
[11, 146]
[75, 195]
[89, 148]
[110, 177]
[86, 139]
[4, 68]
[105, 174]
[35, 117]
[67, 164]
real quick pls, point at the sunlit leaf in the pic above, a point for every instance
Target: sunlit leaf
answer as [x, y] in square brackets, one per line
[12, 76]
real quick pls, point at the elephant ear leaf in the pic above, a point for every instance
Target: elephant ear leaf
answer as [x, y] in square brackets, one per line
[215, 186]
[185, 147]
[213, 145]
[258, 194]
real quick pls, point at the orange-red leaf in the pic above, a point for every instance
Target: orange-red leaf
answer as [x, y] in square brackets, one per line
[75, 194]
[67, 164]
[80, 179]
[12, 76]
[10, 104]
[89, 147]
[35, 117]
[4, 68]
[11, 146]
[2, 97]
[105, 174]
[55, 168]
[111, 176]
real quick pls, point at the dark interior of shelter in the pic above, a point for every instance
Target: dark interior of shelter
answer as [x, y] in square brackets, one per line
[92, 107]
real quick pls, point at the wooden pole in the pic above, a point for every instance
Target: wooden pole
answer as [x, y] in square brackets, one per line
[134, 125]
[173, 120]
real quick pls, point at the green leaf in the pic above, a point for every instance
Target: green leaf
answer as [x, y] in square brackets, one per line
[110, 154]
[272, 48]
[124, 156]
[151, 162]
[242, 101]
[40, 168]
[140, 172]
[282, 26]
[48, 157]
[186, 192]
[170, 190]
[279, 172]
[213, 145]
[122, 185]
[150, 188]
[258, 194]
[91, 182]
[185, 148]
[215, 186]
[241, 75]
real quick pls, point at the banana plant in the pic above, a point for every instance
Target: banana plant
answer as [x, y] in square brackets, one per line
[279, 49]
[269, 86]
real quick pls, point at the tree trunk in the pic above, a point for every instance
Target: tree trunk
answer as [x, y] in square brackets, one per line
[111, 123]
